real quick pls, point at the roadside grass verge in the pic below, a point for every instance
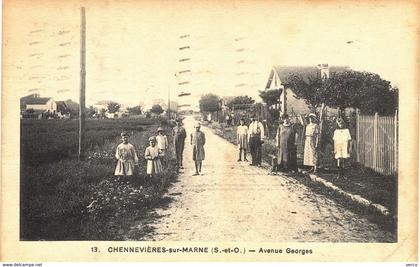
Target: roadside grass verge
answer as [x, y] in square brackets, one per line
[61, 198]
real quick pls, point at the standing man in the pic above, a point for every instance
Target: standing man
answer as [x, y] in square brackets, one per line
[256, 139]
[179, 141]
[198, 140]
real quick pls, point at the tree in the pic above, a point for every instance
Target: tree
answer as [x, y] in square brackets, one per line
[209, 103]
[113, 107]
[157, 109]
[270, 96]
[90, 111]
[363, 90]
[355, 89]
[134, 110]
[310, 90]
[240, 102]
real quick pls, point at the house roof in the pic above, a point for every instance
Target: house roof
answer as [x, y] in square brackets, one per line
[33, 100]
[283, 72]
[62, 107]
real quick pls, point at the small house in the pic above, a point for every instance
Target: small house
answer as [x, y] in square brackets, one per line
[34, 106]
[289, 102]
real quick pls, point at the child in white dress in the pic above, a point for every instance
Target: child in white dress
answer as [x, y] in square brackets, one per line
[153, 155]
[162, 141]
[127, 157]
[342, 145]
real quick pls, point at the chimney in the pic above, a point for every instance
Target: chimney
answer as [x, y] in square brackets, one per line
[324, 71]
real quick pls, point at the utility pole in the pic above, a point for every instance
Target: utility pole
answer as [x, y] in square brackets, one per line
[169, 104]
[82, 83]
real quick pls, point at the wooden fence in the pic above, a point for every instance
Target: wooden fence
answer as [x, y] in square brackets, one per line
[377, 143]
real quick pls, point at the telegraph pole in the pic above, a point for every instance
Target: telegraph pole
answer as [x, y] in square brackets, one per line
[169, 104]
[82, 83]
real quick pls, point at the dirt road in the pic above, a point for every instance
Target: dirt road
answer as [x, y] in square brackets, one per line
[233, 201]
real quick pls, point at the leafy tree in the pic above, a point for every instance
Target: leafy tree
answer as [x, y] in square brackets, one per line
[209, 103]
[363, 90]
[134, 110]
[240, 102]
[271, 96]
[113, 107]
[157, 109]
[310, 90]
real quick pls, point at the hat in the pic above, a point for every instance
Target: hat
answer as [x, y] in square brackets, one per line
[340, 120]
[124, 134]
[313, 116]
[197, 124]
[160, 129]
[152, 138]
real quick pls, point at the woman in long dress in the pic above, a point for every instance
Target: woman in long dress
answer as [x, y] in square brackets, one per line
[285, 140]
[310, 155]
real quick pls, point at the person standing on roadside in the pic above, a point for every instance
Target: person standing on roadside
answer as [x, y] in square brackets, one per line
[126, 156]
[179, 134]
[342, 146]
[286, 146]
[310, 153]
[162, 141]
[152, 155]
[256, 139]
[198, 140]
[242, 138]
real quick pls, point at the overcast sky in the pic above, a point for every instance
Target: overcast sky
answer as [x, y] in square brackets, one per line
[133, 46]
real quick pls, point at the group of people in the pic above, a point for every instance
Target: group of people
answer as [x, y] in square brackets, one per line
[252, 136]
[156, 153]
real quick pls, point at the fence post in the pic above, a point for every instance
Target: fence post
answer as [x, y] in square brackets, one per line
[375, 141]
[396, 142]
[357, 135]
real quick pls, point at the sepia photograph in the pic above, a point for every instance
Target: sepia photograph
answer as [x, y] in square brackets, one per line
[208, 130]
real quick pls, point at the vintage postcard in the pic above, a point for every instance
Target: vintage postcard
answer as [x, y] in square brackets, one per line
[209, 131]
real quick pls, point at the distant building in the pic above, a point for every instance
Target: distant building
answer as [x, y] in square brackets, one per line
[35, 102]
[63, 111]
[34, 106]
[103, 104]
[277, 79]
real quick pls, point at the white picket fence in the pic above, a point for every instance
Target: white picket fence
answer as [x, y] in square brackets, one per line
[377, 143]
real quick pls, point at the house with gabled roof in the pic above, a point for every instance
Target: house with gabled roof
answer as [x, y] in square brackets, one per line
[289, 102]
[37, 106]
[35, 102]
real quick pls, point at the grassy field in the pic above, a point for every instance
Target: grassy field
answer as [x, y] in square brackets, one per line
[63, 199]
